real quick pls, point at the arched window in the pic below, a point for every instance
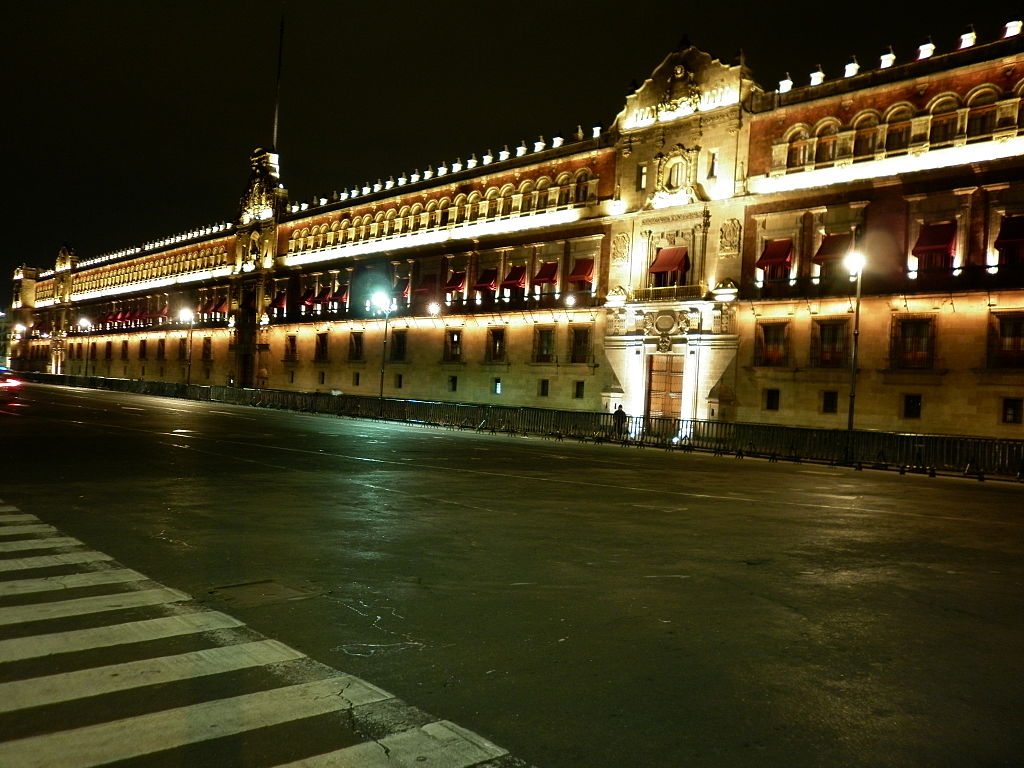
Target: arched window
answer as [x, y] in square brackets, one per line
[865, 137]
[799, 146]
[825, 148]
[944, 122]
[582, 194]
[981, 120]
[897, 133]
[528, 196]
[542, 193]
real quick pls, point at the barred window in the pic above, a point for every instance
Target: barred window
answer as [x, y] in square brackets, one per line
[828, 343]
[399, 345]
[495, 345]
[544, 345]
[580, 344]
[913, 342]
[1006, 340]
[453, 346]
[771, 343]
[355, 345]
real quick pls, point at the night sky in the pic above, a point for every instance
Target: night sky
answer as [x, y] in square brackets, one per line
[130, 121]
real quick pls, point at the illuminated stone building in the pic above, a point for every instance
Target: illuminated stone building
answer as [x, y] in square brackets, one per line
[686, 262]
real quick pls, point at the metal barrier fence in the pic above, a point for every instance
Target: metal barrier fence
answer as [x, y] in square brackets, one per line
[977, 456]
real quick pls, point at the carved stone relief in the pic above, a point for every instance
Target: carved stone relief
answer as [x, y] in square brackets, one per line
[729, 238]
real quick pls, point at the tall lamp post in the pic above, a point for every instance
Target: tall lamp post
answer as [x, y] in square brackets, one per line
[854, 262]
[382, 301]
[186, 315]
[85, 324]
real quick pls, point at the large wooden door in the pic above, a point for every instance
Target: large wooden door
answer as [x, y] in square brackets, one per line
[665, 386]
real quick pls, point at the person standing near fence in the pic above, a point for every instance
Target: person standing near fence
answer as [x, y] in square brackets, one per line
[619, 417]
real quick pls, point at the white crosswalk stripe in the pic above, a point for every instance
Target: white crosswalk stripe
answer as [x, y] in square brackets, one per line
[69, 581]
[49, 561]
[148, 656]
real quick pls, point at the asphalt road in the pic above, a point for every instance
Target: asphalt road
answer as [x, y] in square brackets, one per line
[580, 605]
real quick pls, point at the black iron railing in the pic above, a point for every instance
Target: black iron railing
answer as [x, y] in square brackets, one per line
[960, 454]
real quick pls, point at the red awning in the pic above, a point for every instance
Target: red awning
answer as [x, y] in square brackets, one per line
[456, 282]
[487, 281]
[279, 300]
[516, 277]
[427, 283]
[833, 247]
[583, 271]
[163, 311]
[341, 295]
[401, 288]
[309, 297]
[324, 296]
[222, 306]
[1011, 231]
[935, 238]
[775, 252]
[671, 260]
[548, 273]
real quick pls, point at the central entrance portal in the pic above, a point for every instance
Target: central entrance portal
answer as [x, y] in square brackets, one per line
[665, 386]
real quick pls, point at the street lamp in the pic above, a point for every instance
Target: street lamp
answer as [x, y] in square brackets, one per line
[186, 315]
[382, 301]
[854, 262]
[85, 325]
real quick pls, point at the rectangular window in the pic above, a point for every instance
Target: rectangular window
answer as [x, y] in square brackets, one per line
[828, 344]
[641, 177]
[543, 387]
[577, 390]
[911, 406]
[320, 353]
[399, 342]
[453, 346]
[453, 383]
[1013, 410]
[771, 399]
[544, 345]
[291, 349]
[124, 350]
[913, 342]
[496, 386]
[161, 349]
[398, 381]
[323, 376]
[355, 378]
[830, 401]
[182, 349]
[355, 345]
[1006, 341]
[770, 343]
[579, 337]
[208, 349]
[712, 164]
[108, 351]
[495, 345]
[142, 349]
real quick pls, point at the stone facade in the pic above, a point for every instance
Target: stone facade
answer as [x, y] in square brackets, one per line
[686, 263]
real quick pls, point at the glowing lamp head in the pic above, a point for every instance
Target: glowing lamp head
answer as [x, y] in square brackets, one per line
[186, 315]
[570, 300]
[381, 301]
[434, 309]
[84, 323]
[854, 262]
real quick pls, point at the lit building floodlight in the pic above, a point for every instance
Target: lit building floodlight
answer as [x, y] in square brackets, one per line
[84, 323]
[381, 301]
[186, 315]
[434, 308]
